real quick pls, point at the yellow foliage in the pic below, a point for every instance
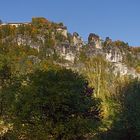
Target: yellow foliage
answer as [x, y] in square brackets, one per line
[138, 69]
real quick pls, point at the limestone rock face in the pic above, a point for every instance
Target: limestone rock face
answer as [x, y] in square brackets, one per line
[122, 69]
[77, 40]
[70, 56]
[95, 41]
[113, 55]
[63, 31]
[56, 41]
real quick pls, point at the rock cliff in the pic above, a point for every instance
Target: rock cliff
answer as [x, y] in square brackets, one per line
[52, 38]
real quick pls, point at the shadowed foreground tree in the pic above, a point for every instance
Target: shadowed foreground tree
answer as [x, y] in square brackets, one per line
[53, 105]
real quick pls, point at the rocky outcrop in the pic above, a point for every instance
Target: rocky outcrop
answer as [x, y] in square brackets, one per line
[69, 51]
[77, 40]
[122, 69]
[113, 54]
[95, 41]
[63, 30]
[52, 38]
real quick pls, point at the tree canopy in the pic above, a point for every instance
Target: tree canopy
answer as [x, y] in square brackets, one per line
[52, 105]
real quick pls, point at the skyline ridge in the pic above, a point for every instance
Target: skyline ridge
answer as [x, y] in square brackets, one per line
[116, 19]
[85, 40]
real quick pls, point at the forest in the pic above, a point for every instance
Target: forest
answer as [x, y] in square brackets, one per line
[45, 97]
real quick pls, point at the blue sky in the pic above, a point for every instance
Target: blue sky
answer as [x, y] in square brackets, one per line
[118, 19]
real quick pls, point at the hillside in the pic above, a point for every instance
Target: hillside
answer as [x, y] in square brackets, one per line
[50, 39]
[54, 85]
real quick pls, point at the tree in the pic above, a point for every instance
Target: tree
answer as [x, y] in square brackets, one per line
[54, 105]
[99, 73]
[128, 124]
[39, 21]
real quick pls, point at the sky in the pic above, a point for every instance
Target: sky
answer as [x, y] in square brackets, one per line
[117, 19]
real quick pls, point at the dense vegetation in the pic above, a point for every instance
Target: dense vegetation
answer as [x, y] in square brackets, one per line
[40, 99]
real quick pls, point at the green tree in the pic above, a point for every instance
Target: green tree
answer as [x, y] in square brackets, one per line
[99, 73]
[54, 105]
[128, 124]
